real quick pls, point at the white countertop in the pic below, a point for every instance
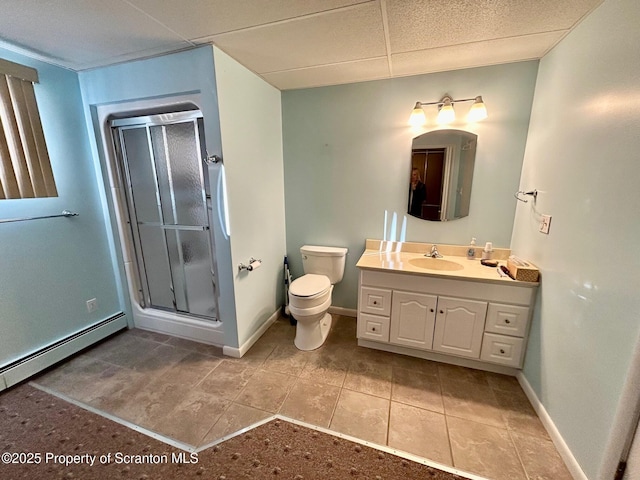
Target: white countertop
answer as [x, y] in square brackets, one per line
[396, 260]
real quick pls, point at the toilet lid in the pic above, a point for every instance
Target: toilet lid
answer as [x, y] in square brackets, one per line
[309, 285]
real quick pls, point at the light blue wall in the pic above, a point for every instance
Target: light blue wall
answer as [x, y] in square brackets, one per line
[188, 72]
[582, 155]
[251, 125]
[49, 268]
[347, 160]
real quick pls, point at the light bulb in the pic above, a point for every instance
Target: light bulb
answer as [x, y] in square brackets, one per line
[446, 113]
[478, 111]
[417, 118]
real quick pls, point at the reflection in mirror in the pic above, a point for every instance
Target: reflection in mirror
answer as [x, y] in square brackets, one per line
[442, 164]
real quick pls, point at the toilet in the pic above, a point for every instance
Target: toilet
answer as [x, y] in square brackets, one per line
[310, 294]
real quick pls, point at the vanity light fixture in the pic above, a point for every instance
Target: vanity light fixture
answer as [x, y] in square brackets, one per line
[446, 113]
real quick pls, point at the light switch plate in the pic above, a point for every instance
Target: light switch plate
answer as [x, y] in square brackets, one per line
[545, 223]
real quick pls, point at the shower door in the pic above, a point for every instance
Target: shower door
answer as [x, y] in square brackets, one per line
[161, 159]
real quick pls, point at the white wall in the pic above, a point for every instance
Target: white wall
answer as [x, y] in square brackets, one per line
[582, 155]
[251, 127]
[347, 155]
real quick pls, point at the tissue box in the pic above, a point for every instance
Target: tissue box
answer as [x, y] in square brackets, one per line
[522, 270]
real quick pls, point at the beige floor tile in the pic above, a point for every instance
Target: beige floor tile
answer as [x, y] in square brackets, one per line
[312, 402]
[75, 378]
[370, 378]
[149, 335]
[150, 403]
[235, 418]
[343, 330]
[518, 413]
[192, 417]
[472, 401]
[505, 383]
[226, 380]
[191, 369]
[286, 359]
[416, 389]
[420, 432]
[540, 458]
[418, 365]
[198, 347]
[126, 351]
[266, 390]
[157, 361]
[454, 373]
[115, 387]
[281, 332]
[484, 450]
[362, 416]
[327, 366]
[256, 355]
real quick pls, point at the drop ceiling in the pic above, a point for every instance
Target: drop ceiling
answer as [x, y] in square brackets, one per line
[295, 43]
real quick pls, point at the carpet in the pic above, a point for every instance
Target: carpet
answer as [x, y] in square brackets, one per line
[44, 437]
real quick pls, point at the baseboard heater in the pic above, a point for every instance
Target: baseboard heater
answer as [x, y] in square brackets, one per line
[37, 361]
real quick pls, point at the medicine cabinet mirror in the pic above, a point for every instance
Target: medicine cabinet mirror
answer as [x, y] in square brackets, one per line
[441, 174]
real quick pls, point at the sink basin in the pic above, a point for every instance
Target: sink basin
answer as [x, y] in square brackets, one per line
[429, 263]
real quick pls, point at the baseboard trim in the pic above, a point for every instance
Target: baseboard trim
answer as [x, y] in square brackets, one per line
[563, 449]
[347, 312]
[244, 348]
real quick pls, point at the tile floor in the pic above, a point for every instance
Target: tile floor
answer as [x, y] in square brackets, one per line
[476, 421]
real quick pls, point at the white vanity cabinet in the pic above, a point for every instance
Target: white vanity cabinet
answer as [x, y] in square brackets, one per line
[467, 322]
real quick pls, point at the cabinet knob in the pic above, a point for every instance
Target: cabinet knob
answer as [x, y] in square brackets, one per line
[375, 303]
[502, 351]
[507, 321]
[441, 311]
[373, 329]
[432, 310]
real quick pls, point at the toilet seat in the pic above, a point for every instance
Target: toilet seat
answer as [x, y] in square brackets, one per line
[310, 286]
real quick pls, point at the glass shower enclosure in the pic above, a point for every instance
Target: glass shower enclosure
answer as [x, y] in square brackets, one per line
[161, 165]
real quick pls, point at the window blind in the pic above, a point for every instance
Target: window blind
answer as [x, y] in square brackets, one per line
[25, 168]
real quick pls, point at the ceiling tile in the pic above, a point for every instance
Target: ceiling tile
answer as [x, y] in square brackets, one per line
[333, 37]
[347, 72]
[476, 54]
[416, 24]
[76, 32]
[204, 18]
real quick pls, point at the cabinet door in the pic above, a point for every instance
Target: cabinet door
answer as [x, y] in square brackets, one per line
[412, 319]
[459, 326]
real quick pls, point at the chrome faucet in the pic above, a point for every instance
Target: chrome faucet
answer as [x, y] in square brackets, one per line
[434, 252]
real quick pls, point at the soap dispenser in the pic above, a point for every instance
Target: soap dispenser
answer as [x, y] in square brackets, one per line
[471, 252]
[488, 251]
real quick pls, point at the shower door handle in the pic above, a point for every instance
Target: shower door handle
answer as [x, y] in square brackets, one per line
[197, 228]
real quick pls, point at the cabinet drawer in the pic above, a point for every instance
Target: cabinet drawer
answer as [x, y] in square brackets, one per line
[373, 327]
[375, 300]
[507, 319]
[502, 349]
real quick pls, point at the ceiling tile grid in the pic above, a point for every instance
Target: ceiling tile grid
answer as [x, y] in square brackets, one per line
[295, 43]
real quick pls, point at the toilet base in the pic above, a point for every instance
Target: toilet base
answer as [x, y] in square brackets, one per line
[311, 335]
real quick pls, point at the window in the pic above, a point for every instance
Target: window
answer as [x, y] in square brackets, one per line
[25, 169]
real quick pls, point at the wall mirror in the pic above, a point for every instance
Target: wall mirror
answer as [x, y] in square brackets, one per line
[442, 165]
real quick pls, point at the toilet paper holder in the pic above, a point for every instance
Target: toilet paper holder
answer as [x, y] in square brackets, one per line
[253, 264]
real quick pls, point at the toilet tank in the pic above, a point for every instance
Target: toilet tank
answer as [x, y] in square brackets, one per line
[327, 261]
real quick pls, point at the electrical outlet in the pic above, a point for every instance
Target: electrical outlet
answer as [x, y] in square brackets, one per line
[545, 223]
[92, 305]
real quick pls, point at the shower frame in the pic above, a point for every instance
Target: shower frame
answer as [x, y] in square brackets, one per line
[117, 127]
